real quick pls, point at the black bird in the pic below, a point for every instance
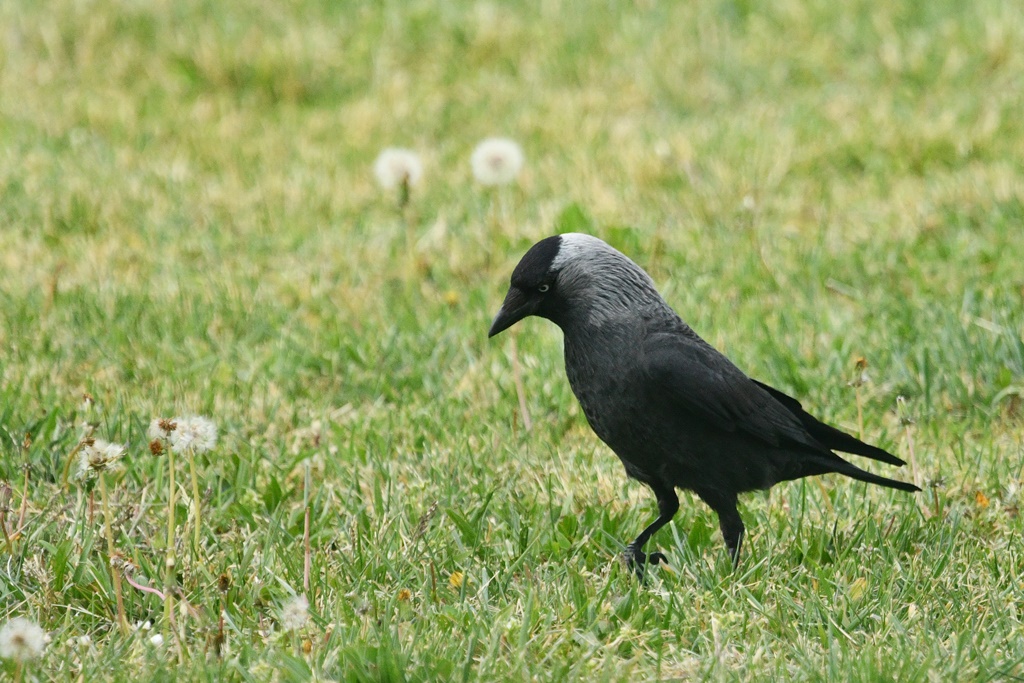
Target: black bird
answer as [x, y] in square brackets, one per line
[677, 412]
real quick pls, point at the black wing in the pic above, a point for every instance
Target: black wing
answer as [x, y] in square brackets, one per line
[697, 378]
[700, 379]
[828, 435]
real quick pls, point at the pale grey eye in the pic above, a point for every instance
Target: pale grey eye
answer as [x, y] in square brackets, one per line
[543, 288]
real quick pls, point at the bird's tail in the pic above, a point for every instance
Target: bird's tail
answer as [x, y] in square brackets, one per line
[827, 435]
[843, 467]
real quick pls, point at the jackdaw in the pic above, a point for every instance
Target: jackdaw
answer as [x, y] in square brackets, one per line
[677, 412]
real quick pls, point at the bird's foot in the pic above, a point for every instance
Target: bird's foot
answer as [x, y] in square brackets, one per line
[734, 544]
[637, 560]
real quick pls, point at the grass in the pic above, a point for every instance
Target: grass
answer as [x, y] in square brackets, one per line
[189, 224]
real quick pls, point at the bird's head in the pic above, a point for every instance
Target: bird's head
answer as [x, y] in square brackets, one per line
[573, 277]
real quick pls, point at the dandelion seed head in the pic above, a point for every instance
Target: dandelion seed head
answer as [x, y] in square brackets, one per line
[194, 433]
[21, 640]
[160, 428]
[497, 161]
[295, 613]
[98, 456]
[395, 167]
[122, 564]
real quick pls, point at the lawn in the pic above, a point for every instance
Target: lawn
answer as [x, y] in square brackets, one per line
[190, 225]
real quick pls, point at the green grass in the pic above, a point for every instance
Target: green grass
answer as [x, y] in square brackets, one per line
[189, 224]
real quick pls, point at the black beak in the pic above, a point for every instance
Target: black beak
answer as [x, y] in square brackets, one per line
[515, 307]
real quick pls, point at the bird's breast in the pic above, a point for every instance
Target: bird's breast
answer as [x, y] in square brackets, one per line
[604, 385]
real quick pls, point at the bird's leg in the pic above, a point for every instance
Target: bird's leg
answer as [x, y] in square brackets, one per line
[668, 505]
[732, 532]
[728, 520]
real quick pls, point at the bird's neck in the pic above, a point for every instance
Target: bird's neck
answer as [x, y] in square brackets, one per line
[607, 313]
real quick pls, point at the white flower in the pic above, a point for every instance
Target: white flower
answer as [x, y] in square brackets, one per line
[21, 640]
[157, 640]
[98, 456]
[196, 433]
[295, 613]
[396, 167]
[160, 428]
[497, 161]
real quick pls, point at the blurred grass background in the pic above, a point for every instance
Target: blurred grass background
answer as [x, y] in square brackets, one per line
[189, 223]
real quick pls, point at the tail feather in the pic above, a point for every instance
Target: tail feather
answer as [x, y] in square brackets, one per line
[830, 462]
[861, 475]
[829, 436]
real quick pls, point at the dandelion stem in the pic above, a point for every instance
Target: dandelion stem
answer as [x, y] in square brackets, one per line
[115, 572]
[859, 380]
[494, 222]
[904, 416]
[7, 537]
[403, 192]
[17, 672]
[517, 379]
[219, 642]
[169, 562]
[23, 511]
[197, 517]
[182, 624]
[305, 529]
[913, 459]
[860, 413]
[86, 439]
[5, 503]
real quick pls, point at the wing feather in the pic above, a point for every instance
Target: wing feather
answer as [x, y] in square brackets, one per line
[701, 380]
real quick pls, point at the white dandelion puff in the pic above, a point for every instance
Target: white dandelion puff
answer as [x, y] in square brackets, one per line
[194, 433]
[497, 161]
[397, 167]
[663, 150]
[99, 456]
[295, 613]
[21, 640]
[160, 428]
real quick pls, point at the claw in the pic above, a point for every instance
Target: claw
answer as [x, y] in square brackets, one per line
[637, 560]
